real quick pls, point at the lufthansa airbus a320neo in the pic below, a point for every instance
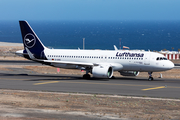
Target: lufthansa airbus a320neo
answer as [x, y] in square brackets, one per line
[99, 63]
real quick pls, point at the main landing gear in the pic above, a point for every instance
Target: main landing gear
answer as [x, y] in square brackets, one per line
[87, 75]
[150, 76]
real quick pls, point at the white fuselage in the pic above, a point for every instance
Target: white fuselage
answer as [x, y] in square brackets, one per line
[121, 60]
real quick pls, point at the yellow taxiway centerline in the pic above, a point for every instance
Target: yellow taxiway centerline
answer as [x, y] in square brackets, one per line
[46, 82]
[72, 82]
[154, 88]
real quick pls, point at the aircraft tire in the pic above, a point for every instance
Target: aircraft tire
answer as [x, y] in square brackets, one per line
[86, 76]
[150, 78]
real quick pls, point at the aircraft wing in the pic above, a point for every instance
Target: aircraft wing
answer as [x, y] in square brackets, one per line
[70, 63]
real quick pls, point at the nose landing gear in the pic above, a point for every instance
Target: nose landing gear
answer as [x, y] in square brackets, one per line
[150, 76]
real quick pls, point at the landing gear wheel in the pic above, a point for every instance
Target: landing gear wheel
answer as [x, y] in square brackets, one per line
[86, 76]
[150, 78]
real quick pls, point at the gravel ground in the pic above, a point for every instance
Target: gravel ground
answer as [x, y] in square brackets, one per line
[8, 44]
[16, 104]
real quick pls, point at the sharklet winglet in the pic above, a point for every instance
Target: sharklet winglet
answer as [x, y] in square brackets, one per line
[115, 48]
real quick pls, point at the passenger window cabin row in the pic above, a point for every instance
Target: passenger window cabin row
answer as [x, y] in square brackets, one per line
[95, 57]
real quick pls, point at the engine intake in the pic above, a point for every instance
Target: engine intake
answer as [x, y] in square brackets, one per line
[102, 71]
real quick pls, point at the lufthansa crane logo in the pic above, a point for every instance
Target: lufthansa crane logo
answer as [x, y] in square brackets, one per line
[29, 40]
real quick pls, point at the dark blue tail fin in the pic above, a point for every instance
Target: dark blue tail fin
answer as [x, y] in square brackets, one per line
[31, 41]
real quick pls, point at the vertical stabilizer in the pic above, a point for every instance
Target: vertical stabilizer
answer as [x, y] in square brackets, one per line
[31, 40]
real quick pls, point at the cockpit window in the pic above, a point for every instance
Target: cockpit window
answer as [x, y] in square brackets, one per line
[161, 58]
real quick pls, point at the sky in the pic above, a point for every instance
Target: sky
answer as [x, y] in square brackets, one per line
[89, 9]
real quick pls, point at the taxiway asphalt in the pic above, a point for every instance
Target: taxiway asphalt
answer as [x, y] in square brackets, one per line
[162, 88]
[22, 79]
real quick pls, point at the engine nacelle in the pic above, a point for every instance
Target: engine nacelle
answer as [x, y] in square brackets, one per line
[129, 73]
[102, 71]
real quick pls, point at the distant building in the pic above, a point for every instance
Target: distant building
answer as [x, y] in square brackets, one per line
[171, 55]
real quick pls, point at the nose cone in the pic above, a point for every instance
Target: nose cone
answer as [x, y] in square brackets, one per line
[169, 65]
